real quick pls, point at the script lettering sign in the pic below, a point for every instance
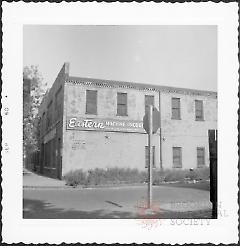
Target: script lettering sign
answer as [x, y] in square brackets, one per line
[95, 124]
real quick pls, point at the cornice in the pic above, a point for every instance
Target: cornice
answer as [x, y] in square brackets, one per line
[142, 87]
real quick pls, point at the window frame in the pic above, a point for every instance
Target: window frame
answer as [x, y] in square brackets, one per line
[174, 157]
[146, 105]
[92, 105]
[178, 117]
[58, 104]
[200, 165]
[122, 104]
[197, 110]
[49, 120]
[147, 156]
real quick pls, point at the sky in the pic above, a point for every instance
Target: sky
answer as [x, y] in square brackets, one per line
[178, 56]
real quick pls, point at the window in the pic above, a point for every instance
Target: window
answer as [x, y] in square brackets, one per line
[198, 110]
[49, 115]
[147, 156]
[53, 160]
[177, 157]
[149, 100]
[122, 104]
[200, 156]
[47, 152]
[91, 102]
[43, 123]
[176, 108]
[58, 105]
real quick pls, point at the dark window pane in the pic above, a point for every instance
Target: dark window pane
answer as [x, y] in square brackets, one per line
[176, 102]
[122, 110]
[177, 157]
[122, 104]
[122, 98]
[199, 109]
[49, 115]
[58, 104]
[91, 109]
[91, 102]
[147, 157]
[149, 100]
[200, 156]
[176, 108]
[91, 96]
[175, 113]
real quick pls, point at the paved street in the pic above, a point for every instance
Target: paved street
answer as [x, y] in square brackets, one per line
[118, 202]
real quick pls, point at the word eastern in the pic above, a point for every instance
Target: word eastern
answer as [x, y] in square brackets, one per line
[85, 123]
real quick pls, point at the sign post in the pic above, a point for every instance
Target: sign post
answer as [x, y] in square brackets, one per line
[150, 159]
[151, 123]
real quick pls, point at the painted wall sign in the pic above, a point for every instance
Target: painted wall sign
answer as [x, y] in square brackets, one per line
[79, 123]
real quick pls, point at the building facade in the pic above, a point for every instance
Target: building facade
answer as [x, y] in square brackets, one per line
[94, 123]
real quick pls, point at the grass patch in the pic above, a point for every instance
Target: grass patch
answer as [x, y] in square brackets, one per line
[110, 176]
[76, 177]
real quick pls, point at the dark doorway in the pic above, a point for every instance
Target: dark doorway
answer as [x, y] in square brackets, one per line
[212, 139]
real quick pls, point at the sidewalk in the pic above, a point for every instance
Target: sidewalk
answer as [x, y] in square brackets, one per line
[34, 180]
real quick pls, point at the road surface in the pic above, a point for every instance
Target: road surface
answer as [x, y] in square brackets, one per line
[118, 202]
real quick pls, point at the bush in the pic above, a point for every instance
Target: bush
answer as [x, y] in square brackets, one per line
[74, 178]
[199, 174]
[158, 177]
[174, 175]
[100, 176]
[114, 176]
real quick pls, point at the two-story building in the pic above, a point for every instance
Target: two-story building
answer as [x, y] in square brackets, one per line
[95, 123]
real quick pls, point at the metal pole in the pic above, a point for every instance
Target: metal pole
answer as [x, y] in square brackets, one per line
[159, 97]
[150, 157]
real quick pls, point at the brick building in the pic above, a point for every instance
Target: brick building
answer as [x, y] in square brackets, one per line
[89, 123]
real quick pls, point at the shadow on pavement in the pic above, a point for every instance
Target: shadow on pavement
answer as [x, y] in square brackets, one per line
[38, 209]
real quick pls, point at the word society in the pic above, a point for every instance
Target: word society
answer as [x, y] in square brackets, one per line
[190, 222]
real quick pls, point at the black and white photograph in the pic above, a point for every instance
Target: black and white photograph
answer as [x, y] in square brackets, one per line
[87, 133]
[121, 123]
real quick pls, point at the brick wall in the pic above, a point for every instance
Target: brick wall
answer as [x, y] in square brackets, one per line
[187, 132]
[50, 160]
[86, 150]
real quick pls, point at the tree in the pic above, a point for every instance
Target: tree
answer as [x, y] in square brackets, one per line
[33, 92]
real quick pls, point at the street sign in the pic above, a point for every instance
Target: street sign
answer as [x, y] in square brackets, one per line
[155, 121]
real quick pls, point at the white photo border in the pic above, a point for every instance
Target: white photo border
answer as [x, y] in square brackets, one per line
[15, 15]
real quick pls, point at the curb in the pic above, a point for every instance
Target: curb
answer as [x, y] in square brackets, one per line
[79, 187]
[50, 187]
[66, 187]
